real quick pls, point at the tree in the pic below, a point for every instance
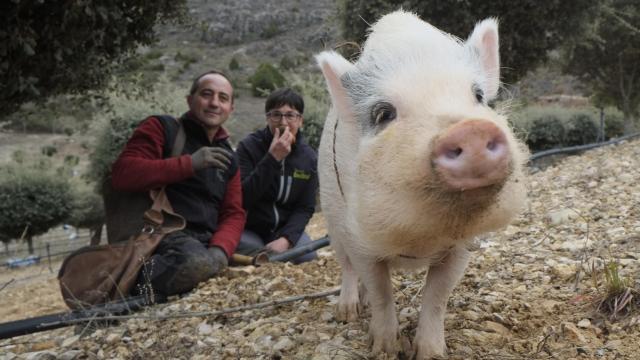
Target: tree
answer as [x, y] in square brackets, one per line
[608, 57]
[31, 203]
[529, 29]
[88, 213]
[57, 47]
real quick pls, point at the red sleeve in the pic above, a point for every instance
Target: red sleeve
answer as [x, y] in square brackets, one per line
[231, 218]
[140, 166]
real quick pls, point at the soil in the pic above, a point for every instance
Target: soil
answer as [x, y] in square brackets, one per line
[530, 292]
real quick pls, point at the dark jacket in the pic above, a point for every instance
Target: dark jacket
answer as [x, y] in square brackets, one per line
[210, 199]
[279, 197]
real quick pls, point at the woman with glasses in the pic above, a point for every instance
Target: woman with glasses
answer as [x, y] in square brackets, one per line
[279, 179]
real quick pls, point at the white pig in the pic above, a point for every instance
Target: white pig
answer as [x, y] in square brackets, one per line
[413, 164]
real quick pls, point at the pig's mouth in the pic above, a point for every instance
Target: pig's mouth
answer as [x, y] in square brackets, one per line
[464, 203]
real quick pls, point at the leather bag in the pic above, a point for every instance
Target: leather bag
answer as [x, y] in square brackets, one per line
[101, 273]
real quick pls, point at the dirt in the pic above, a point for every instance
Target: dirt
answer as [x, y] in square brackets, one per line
[530, 291]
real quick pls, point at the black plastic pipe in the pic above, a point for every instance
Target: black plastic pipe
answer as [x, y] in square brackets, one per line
[575, 149]
[55, 321]
[299, 251]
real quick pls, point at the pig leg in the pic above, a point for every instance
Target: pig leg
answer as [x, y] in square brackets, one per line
[440, 281]
[348, 302]
[383, 327]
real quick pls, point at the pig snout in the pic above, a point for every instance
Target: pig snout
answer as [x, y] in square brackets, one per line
[471, 154]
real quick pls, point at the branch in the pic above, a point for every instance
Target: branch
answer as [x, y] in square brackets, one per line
[181, 315]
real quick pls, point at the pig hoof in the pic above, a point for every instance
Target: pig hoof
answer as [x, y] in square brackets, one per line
[388, 346]
[347, 312]
[429, 351]
[385, 342]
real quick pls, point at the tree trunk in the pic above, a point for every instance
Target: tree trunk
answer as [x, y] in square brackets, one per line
[30, 243]
[6, 247]
[96, 234]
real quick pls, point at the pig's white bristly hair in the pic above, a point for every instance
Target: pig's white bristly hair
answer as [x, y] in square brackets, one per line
[403, 43]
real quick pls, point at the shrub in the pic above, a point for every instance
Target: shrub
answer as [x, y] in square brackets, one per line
[613, 123]
[234, 64]
[48, 150]
[546, 132]
[87, 209]
[287, 62]
[114, 128]
[582, 129]
[265, 79]
[32, 202]
[317, 103]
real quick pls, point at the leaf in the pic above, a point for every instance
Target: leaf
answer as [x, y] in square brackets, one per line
[28, 49]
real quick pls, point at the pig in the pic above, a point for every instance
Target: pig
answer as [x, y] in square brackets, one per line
[413, 164]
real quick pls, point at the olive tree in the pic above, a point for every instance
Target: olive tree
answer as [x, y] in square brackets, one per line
[529, 29]
[608, 57]
[58, 47]
[31, 203]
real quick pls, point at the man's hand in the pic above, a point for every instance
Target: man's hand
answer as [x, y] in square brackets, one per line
[281, 144]
[219, 258]
[207, 157]
[279, 245]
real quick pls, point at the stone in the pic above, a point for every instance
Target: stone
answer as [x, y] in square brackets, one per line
[584, 323]
[283, 344]
[494, 327]
[572, 333]
[70, 341]
[70, 355]
[204, 328]
[113, 338]
[41, 355]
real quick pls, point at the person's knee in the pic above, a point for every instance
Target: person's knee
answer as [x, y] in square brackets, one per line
[194, 270]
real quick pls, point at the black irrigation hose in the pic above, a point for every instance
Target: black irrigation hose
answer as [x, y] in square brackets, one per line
[55, 321]
[302, 250]
[575, 149]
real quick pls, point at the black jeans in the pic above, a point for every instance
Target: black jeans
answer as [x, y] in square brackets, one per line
[180, 262]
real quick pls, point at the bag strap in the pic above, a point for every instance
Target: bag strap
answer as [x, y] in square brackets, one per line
[161, 212]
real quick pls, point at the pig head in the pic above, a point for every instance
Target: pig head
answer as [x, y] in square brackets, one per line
[413, 164]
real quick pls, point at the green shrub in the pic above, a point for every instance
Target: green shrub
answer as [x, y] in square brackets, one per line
[265, 79]
[287, 62]
[546, 132]
[582, 129]
[613, 123]
[87, 209]
[270, 31]
[113, 129]
[48, 150]
[234, 64]
[317, 103]
[32, 202]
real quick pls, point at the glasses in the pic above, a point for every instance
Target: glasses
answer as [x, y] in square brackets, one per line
[277, 115]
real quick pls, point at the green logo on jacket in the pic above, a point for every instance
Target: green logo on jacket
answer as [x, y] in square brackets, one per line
[301, 174]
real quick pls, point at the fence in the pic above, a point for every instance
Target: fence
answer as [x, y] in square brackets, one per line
[50, 247]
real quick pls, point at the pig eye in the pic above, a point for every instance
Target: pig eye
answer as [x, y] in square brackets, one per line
[382, 113]
[478, 93]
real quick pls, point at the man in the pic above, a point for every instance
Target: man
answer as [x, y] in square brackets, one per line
[279, 179]
[203, 185]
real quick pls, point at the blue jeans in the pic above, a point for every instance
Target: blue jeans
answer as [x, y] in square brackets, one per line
[251, 244]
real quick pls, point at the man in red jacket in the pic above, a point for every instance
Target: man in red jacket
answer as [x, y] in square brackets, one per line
[203, 185]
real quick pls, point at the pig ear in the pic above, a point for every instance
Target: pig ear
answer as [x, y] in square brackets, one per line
[485, 41]
[333, 66]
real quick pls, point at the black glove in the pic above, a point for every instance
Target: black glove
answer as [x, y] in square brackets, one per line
[219, 259]
[207, 157]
